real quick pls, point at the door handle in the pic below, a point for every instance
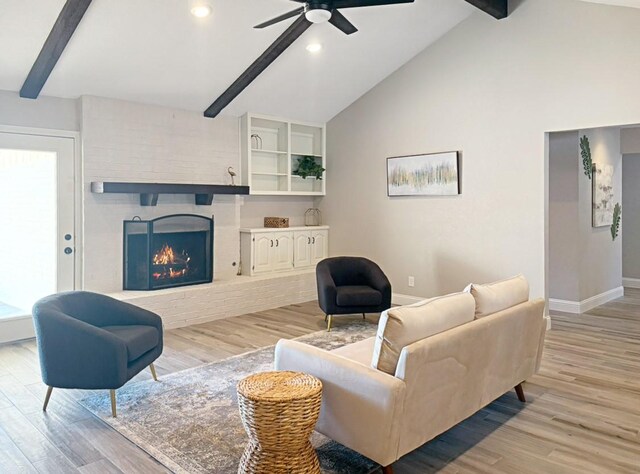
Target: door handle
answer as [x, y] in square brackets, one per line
[277, 242]
[314, 240]
[272, 243]
[309, 240]
[68, 250]
[67, 236]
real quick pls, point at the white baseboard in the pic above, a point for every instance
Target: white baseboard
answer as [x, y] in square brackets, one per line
[631, 282]
[402, 300]
[578, 307]
[15, 329]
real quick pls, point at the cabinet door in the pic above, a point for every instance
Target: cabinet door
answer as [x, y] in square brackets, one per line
[319, 245]
[263, 245]
[301, 249]
[283, 250]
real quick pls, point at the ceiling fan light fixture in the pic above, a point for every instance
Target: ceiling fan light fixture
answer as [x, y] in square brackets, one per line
[317, 14]
[200, 8]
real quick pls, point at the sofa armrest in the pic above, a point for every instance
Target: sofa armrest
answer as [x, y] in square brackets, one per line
[543, 332]
[361, 406]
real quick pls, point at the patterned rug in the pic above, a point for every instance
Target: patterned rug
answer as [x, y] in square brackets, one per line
[189, 420]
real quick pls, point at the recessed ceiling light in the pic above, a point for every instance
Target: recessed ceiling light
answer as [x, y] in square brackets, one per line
[200, 8]
[314, 47]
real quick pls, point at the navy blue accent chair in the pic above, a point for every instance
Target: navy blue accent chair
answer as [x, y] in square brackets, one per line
[92, 341]
[348, 285]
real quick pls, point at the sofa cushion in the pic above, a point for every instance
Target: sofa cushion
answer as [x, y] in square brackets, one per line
[138, 339]
[360, 351]
[500, 295]
[399, 327]
[357, 295]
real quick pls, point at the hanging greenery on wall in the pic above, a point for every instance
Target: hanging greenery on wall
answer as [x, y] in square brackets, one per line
[585, 152]
[615, 226]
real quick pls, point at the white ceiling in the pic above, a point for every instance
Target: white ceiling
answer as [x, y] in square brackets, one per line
[154, 51]
[621, 3]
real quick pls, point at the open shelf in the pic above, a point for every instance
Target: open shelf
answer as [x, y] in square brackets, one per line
[267, 160]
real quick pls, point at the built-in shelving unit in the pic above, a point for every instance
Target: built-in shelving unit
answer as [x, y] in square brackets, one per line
[271, 150]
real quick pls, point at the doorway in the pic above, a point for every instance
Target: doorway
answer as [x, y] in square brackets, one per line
[37, 213]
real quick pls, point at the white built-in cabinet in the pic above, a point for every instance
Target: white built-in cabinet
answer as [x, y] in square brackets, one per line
[271, 149]
[264, 250]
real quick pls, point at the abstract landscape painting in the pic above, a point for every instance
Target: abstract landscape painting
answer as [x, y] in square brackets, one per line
[423, 175]
[602, 195]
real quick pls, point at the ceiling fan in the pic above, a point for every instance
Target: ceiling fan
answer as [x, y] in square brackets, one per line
[319, 11]
[312, 11]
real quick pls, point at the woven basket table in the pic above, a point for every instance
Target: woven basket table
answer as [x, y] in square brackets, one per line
[279, 411]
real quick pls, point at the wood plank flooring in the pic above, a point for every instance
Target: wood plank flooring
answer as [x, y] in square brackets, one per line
[582, 415]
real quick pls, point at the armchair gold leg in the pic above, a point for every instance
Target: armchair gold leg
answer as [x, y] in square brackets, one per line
[113, 402]
[329, 319]
[363, 316]
[46, 398]
[153, 372]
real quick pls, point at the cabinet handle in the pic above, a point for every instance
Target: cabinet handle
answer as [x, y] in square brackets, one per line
[309, 240]
[314, 240]
[277, 242]
[272, 243]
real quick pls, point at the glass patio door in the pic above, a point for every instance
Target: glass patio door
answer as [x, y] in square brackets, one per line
[37, 241]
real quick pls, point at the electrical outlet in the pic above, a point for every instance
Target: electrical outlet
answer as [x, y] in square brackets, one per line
[412, 282]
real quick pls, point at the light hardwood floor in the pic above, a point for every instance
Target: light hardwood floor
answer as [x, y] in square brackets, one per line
[582, 415]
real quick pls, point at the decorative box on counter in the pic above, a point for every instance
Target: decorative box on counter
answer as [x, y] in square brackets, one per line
[277, 222]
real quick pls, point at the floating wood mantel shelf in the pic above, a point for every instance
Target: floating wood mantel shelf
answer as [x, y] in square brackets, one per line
[149, 191]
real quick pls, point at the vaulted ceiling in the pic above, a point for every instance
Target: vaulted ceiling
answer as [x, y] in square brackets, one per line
[154, 51]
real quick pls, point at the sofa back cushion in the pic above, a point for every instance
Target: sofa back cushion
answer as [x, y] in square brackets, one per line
[499, 295]
[399, 327]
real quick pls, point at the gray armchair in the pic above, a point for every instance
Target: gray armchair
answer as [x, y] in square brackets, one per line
[348, 285]
[91, 341]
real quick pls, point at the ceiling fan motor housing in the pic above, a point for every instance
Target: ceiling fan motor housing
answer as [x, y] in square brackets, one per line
[317, 12]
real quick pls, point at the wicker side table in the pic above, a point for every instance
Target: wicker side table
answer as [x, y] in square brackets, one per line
[279, 411]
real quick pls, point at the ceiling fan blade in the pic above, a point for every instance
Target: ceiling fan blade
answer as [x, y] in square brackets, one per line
[285, 40]
[366, 3]
[280, 18]
[339, 21]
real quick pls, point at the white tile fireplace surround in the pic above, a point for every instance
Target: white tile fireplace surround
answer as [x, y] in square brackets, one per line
[125, 141]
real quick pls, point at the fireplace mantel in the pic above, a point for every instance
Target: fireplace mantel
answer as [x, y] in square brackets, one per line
[149, 191]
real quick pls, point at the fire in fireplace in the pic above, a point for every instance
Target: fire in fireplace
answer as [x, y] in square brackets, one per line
[169, 251]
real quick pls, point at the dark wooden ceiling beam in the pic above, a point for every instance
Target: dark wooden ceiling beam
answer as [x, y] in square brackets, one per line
[496, 8]
[56, 42]
[278, 47]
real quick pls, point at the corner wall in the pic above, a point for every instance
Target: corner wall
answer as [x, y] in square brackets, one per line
[490, 89]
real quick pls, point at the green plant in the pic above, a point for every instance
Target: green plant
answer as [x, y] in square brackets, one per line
[308, 166]
[615, 226]
[585, 151]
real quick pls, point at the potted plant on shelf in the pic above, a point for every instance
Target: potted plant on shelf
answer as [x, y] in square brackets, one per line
[308, 166]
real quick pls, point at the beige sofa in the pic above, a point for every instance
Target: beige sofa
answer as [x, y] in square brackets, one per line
[439, 380]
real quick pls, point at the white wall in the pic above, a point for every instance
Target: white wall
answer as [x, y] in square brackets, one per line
[564, 222]
[631, 216]
[490, 89]
[45, 112]
[600, 256]
[126, 141]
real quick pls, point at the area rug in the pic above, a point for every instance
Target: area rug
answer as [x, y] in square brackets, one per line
[189, 420]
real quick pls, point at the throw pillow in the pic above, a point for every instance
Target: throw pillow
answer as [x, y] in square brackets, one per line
[399, 327]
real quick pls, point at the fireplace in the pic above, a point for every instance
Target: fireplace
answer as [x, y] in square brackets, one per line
[175, 250]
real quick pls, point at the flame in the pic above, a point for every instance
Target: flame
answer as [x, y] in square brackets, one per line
[167, 256]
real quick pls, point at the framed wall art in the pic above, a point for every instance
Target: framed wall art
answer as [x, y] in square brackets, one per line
[602, 195]
[433, 174]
